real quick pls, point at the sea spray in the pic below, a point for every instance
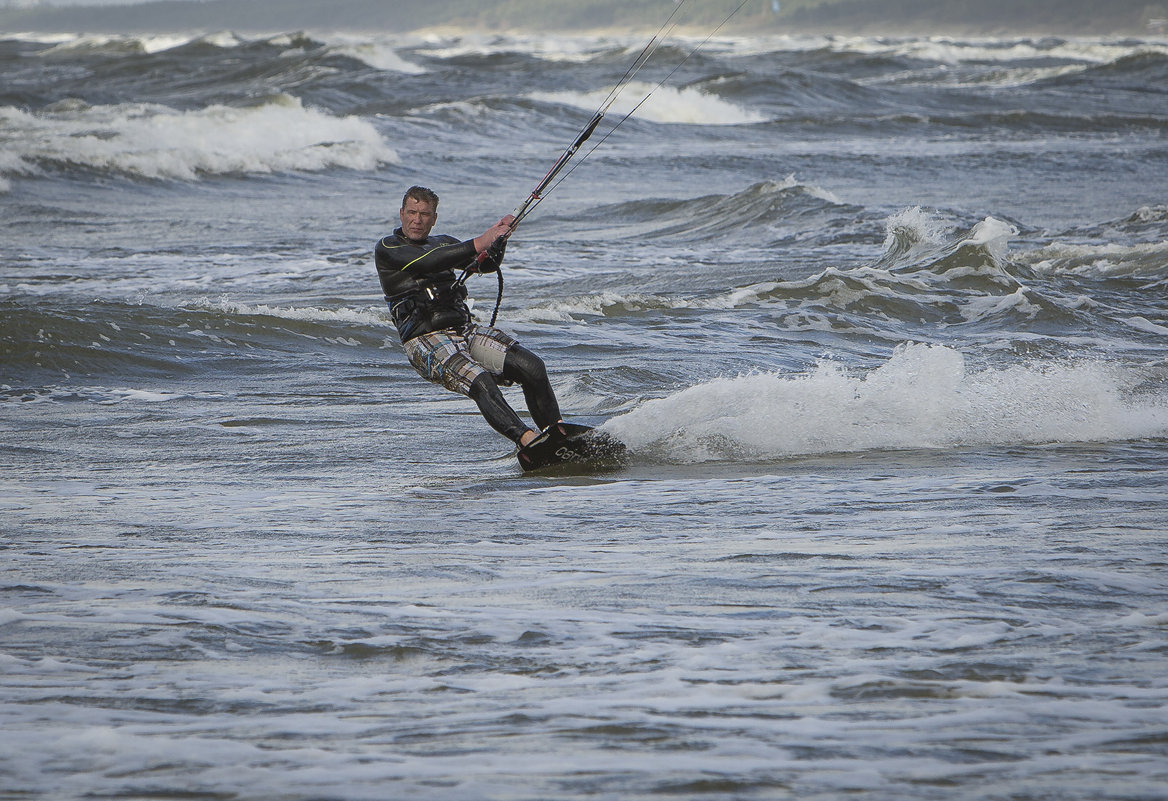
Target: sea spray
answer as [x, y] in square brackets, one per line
[924, 396]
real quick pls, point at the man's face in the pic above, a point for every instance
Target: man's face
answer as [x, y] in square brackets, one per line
[417, 218]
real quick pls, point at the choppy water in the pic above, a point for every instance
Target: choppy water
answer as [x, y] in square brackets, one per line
[882, 321]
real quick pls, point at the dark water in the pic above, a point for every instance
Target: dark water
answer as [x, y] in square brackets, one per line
[883, 323]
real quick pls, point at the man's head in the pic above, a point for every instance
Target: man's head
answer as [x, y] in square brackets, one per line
[419, 212]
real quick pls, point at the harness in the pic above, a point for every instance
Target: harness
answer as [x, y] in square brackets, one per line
[432, 308]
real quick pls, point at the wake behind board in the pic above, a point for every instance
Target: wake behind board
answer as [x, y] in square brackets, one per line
[570, 443]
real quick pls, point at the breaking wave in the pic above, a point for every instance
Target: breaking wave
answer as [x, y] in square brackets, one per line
[923, 397]
[149, 141]
[665, 104]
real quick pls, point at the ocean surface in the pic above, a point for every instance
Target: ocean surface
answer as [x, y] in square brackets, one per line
[883, 323]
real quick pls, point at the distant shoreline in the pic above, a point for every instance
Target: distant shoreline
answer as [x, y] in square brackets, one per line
[894, 18]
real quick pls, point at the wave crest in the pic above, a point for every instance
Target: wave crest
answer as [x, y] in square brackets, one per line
[665, 104]
[156, 142]
[924, 396]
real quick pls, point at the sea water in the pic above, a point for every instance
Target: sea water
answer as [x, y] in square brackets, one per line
[882, 322]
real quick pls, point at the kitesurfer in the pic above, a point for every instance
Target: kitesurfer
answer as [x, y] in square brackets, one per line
[441, 339]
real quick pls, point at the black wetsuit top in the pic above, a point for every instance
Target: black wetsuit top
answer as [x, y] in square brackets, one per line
[420, 283]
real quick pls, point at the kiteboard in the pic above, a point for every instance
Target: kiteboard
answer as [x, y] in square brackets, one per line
[570, 443]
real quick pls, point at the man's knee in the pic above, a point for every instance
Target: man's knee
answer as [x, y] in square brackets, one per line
[523, 366]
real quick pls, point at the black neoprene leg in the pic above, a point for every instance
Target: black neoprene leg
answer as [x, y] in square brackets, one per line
[527, 369]
[494, 407]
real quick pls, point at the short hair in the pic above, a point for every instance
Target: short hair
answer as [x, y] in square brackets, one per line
[422, 195]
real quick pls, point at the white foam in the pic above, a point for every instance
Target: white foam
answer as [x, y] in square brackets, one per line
[981, 307]
[140, 396]
[153, 141]
[305, 313]
[376, 53]
[1080, 51]
[1146, 325]
[914, 226]
[666, 104]
[792, 182]
[10, 163]
[982, 61]
[1151, 213]
[148, 43]
[574, 307]
[982, 50]
[548, 47]
[40, 37]
[993, 235]
[1144, 260]
[922, 397]
[104, 396]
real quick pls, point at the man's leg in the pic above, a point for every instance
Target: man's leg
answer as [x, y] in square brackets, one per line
[443, 357]
[498, 413]
[506, 359]
[529, 371]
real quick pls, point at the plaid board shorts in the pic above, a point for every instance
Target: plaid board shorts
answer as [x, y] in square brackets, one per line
[454, 358]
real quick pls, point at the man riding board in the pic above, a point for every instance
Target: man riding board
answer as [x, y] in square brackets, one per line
[441, 340]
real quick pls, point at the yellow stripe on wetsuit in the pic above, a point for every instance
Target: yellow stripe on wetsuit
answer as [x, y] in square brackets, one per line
[424, 255]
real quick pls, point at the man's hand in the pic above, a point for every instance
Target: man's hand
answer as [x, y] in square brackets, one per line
[499, 230]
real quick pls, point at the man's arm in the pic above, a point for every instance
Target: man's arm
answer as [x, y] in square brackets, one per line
[399, 261]
[393, 255]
